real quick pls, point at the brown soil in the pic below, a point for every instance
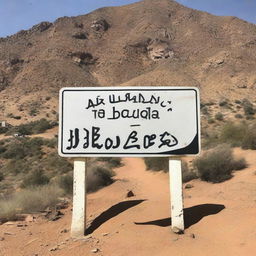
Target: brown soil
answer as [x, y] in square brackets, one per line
[219, 219]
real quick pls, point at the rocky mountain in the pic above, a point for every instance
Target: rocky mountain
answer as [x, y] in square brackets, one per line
[151, 42]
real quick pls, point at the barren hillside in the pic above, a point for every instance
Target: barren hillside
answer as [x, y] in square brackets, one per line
[152, 42]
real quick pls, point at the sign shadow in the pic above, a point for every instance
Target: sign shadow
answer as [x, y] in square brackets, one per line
[192, 215]
[110, 213]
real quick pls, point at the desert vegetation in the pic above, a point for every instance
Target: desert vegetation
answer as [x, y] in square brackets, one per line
[162, 164]
[217, 164]
[33, 166]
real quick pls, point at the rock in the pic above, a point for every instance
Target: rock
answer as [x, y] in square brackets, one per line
[41, 26]
[1, 238]
[159, 49]
[192, 235]
[20, 225]
[54, 249]
[80, 35]
[53, 216]
[8, 234]
[9, 223]
[130, 193]
[177, 230]
[62, 205]
[100, 25]
[30, 218]
[242, 86]
[82, 58]
[95, 250]
[188, 186]
[105, 234]
[64, 230]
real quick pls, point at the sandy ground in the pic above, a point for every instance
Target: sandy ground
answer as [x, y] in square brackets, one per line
[219, 218]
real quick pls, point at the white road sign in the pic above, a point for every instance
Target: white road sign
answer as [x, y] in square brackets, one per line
[129, 121]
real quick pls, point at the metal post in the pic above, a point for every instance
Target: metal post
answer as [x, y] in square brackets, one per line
[78, 224]
[175, 175]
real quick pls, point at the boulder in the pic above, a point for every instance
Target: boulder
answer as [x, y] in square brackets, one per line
[100, 25]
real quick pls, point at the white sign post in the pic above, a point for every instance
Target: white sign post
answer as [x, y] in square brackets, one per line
[130, 122]
[78, 223]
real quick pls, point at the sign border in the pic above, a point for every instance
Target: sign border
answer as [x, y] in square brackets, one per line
[177, 152]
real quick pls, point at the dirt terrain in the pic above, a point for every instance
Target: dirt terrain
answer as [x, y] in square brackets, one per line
[219, 219]
[158, 43]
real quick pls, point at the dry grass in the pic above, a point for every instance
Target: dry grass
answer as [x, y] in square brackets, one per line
[29, 201]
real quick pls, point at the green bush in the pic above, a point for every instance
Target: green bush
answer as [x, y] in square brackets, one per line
[35, 178]
[249, 138]
[211, 121]
[53, 162]
[248, 107]
[216, 165]
[238, 116]
[157, 164]
[23, 147]
[1, 176]
[187, 174]
[33, 127]
[3, 129]
[162, 164]
[98, 177]
[16, 166]
[223, 103]
[112, 162]
[219, 116]
[66, 183]
[233, 133]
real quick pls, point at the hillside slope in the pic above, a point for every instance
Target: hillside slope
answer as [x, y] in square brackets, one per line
[152, 42]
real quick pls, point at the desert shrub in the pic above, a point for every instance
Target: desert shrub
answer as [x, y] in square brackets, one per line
[34, 108]
[98, 177]
[23, 147]
[33, 127]
[53, 162]
[249, 138]
[162, 164]
[35, 178]
[51, 143]
[233, 133]
[3, 129]
[219, 116]
[1, 176]
[216, 165]
[66, 183]
[238, 116]
[29, 201]
[248, 107]
[211, 121]
[204, 110]
[11, 115]
[157, 164]
[16, 166]
[223, 103]
[112, 162]
[2, 149]
[187, 174]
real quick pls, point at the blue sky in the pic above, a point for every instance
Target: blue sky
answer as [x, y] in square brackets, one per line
[23, 14]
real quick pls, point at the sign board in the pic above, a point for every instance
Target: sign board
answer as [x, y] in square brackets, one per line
[129, 121]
